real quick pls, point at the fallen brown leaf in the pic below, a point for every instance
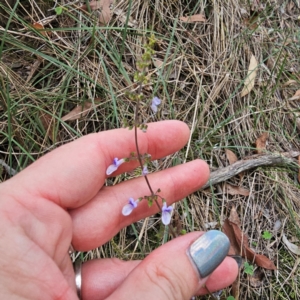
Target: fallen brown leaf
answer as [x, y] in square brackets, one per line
[158, 63]
[251, 75]
[234, 247]
[48, 123]
[78, 112]
[296, 96]
[123, 18]
[234, 217]
[252, 21]
[193, 19]
[236, 190]
[232, 158]
[261, 143]
[40, 28]
[104, 6]
[293, 248]
[240, 245]
[243, 242]
[256, 280]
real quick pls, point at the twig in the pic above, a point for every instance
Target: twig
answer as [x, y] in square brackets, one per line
[10, 171]
[248, 163]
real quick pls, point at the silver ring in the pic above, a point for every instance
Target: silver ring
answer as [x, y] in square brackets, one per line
[78, 279]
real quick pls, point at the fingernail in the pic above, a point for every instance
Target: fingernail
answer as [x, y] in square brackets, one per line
[209, 251]
[238, 259]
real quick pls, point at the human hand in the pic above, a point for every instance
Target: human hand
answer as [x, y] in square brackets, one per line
[61, 199]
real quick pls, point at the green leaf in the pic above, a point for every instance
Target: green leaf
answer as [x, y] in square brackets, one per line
[267, 235]
[58, 10]
[248, 269]
[230, 298]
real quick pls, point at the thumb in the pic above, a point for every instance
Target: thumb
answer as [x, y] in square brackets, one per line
[180, 269]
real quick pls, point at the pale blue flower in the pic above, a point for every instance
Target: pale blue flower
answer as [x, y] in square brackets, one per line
[155, 102]
[166, 214]
[145, 170]
[128, 208]
[116, 164]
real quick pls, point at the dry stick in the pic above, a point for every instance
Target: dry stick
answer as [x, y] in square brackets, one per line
[10, 171]
[248, 163]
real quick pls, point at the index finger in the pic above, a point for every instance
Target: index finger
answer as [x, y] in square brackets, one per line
[73, 174]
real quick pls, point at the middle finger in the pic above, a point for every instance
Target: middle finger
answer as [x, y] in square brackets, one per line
[100, 219]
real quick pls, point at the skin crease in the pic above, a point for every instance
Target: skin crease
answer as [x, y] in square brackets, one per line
[60, 199]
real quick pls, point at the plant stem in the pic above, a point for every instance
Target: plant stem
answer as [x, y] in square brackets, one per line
[136, 122]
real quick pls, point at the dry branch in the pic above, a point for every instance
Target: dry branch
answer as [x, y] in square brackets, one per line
[248, 163]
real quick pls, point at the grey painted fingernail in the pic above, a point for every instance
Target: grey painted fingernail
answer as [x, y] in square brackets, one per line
[209, 251]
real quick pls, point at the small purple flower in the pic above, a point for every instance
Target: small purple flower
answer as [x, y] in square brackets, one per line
[128, 208]
[116, 164]
[145, 170]
[166, 214]
[155, 102]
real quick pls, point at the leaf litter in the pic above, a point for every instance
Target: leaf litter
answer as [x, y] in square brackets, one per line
[239, 243]
[78, 112]
[232, 158]
[193, 19]
[261, 143]
[236, 190]
[292, 247]
[251, 75]
[104, 7]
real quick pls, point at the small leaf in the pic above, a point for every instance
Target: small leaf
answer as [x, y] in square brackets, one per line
[104, 6]
[236, 190]
[296, 96]
[234, 217]
[193, 19]
[277, 225]
[292, 247]
[48, 123]
[249, 269]
[252, 22]
[39, 27]
[256, 280]
[239, 243]
[230, 298]
[261, 143]
[158, 63]
[232, 158]
[123, 18]
[267, 235]
[250, 79]
[78, 112]
[58, 10]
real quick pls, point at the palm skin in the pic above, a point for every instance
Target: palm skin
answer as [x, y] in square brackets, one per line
[60, 199]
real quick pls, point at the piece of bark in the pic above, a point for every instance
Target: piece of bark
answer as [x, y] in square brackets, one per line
[249, 163]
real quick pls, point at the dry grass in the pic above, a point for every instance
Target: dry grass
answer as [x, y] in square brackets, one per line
[198, 70]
